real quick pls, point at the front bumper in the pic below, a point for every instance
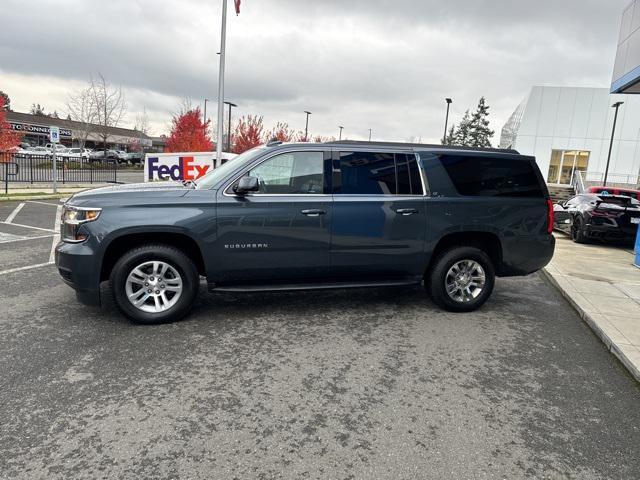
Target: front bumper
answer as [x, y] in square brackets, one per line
[77, 267]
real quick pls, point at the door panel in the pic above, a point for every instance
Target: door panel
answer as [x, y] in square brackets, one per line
[281, 233]
[378, 235]
[269, 238]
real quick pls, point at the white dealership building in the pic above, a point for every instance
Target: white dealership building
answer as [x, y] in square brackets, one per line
[569, 129]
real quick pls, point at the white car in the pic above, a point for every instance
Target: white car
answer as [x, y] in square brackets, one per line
[78, 153]
[40, 151]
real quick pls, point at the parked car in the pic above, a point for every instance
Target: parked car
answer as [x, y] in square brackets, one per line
[627, 192]
[41, 151]
[612, 218]
[104, 156]
[302, 216]
[78, 153]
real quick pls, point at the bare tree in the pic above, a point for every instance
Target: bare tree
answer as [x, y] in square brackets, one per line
[142, 122]
[110, 106]
[82, 109]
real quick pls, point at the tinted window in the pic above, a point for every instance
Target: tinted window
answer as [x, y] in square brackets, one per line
[367, 173]
[492, 177]
[409, 182]
[295, 172]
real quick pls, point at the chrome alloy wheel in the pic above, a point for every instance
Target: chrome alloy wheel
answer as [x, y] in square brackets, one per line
[465, 280]
[153, 287]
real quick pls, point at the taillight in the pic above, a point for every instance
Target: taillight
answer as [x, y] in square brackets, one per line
[549, 215]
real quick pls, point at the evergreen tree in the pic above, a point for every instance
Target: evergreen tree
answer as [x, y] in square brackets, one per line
[479, 132]
[450, 137]
[462, 133]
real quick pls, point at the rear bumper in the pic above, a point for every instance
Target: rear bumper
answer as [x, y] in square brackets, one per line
[611, 233]
[522, 256]
[76, 265]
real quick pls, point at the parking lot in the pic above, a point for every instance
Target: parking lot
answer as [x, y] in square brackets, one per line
[331, 384]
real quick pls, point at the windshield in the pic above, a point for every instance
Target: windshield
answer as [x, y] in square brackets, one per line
[217, 174]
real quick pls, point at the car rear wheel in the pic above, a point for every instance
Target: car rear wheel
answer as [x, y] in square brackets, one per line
[154, 284]
[577, 231]
[461, 279]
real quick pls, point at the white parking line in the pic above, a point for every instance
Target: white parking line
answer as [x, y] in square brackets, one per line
[29, 226]
[28, 267]
[15, 212]
[9, 238]
[43, 203]
[56, 237]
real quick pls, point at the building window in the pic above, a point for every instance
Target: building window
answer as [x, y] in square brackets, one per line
[564, 163]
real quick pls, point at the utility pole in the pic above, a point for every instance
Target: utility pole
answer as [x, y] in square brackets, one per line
[229, 126]
[204, 115]
[340, 134]
[369, 134]
[306, 127]
[446, 120]
[223, 41]
[613, 132]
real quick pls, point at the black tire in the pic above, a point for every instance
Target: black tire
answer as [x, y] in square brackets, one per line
[577, 231]
[436, 278]
[147, 253]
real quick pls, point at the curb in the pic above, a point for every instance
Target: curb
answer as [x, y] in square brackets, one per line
[44, 196]
[610, 344]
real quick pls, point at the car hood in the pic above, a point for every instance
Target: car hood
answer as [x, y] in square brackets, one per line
[130, 193]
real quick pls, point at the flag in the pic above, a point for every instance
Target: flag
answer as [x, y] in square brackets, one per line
[237, 3]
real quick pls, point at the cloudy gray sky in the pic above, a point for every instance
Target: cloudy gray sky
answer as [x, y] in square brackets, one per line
[380, 64]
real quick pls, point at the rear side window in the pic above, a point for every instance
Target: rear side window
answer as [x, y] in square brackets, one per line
[492, 177]
[409, 182]
[378, 173]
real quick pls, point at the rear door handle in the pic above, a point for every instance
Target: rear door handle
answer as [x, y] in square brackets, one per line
[406, 211]
[313, 212]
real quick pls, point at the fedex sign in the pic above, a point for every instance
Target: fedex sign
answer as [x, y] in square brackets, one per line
[177, 166]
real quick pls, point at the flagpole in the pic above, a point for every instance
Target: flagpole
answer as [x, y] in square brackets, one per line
[223, 41]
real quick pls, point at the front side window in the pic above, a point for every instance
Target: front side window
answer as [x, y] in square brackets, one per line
[291, 173]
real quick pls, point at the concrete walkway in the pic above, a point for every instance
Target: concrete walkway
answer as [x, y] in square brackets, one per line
[603, 285]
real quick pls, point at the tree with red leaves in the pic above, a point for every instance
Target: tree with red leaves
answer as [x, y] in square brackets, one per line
[281, 132]
[248, 133]
[8, 138]
[189, 133]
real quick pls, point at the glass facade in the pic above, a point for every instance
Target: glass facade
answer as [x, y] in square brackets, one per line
[564, 163]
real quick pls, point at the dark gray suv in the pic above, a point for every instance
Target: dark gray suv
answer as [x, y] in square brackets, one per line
[298, 216]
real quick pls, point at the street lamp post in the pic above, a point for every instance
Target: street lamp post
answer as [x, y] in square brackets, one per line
[204, 115]
[340, 134]
[613, 132]
[306, 127]
[229, 126]
[446, 120]
[223, 41]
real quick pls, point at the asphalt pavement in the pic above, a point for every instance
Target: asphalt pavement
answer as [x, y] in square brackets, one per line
[331, 384]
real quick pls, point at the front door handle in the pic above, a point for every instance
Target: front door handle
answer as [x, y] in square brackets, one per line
[313, 212]
[406, 211]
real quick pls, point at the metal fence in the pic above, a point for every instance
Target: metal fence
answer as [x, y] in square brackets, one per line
[39, 169]
[584, 180]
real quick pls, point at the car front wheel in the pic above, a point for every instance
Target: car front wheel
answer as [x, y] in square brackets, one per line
[154, 284]
[461, 279]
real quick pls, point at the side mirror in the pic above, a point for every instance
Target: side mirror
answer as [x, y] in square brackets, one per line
[246, 185]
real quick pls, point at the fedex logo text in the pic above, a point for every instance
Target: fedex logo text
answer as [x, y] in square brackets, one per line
[185, 168]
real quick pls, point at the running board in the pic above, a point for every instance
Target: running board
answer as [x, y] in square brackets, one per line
[314, 286]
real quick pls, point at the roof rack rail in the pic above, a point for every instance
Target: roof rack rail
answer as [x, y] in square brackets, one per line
[419, 145]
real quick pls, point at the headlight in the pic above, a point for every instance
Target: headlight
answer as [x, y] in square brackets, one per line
[73, 218]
